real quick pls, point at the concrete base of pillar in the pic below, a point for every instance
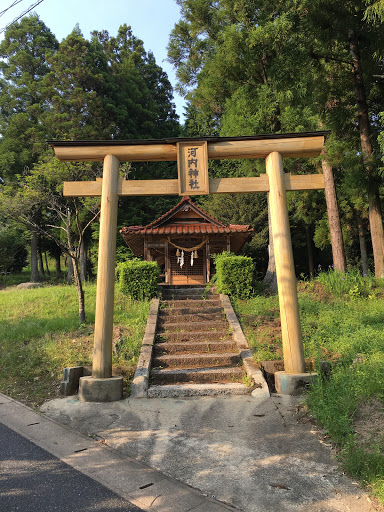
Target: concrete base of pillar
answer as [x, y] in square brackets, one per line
[293, 383]
[70, 383]
[100, 390]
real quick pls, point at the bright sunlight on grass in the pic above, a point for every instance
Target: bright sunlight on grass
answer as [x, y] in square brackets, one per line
[40, 335]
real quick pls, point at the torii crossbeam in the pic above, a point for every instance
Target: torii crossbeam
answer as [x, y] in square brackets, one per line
[192, 156]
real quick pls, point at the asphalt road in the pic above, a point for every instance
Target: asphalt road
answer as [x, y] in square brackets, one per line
[33, 480]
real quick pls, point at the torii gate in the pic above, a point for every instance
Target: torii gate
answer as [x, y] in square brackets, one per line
[192, 156]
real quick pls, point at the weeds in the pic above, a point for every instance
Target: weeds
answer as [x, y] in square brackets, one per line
[351, 283]
[247, 381]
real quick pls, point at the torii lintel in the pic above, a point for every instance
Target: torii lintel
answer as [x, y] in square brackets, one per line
[290, 145]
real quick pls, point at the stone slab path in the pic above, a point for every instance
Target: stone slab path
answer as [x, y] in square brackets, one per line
[255, 455]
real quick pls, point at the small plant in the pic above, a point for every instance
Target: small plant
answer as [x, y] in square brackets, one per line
[354, 292]
[248, 381]
[209, 287]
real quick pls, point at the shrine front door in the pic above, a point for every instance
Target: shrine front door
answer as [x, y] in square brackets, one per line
[187, 269]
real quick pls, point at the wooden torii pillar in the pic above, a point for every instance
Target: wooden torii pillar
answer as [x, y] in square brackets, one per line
[102, 386]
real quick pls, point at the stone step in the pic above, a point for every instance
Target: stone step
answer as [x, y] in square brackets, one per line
[185, 390]
[184, 347]
[212, 310]
[186, 293]
[195, 360]
[206, 325]
[191, 303]
[183, 297]
[182, 286]
[197, 375]
[193, 336]
[199, 316]
[187, 296]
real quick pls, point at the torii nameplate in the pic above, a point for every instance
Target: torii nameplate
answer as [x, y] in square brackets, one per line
[192, 166]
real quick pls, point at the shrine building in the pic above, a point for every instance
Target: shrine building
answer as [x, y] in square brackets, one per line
[182, 241]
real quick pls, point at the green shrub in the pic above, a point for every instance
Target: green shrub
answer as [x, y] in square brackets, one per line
[234, 275]
[138, 279]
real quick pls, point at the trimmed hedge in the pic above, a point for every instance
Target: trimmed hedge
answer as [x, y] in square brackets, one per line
[138, 279]
[234, 275]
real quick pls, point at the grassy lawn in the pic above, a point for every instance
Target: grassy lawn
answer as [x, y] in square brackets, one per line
[343, 323]
[40, 335]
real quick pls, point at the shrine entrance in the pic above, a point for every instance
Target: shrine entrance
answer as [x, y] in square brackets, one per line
[192, 157]
[187, 267]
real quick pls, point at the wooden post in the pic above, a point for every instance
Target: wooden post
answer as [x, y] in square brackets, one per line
[285, 270]
[102, 353]
[167, 265]
[145, 249]
[208, 264]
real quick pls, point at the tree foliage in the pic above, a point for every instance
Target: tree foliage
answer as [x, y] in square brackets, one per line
[23, 105]
[99, 88]
[254, 66]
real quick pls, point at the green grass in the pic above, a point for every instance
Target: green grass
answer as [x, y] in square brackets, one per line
[342, 318]
[40, 335]
[259, 317]
[14, 279]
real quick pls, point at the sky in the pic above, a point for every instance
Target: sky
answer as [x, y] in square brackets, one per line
[151, 21]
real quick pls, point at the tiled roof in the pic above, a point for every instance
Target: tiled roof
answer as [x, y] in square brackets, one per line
[188, 229]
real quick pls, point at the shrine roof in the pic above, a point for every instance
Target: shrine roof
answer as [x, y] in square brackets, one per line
[170, 224]
[210, 226]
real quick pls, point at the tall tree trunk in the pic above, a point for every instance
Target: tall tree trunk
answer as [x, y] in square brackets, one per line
[83, 260]
[311, 265]
[377, 235]
[375, 218]
[40, 260]
[34, 267]
[70, 271]
[57, 263]
[338, 253]
[46, 263]
[74, 262]
[363, 244]
[270, 278]
[80, 291]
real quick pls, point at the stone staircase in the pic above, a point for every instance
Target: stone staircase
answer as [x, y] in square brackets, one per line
[194, 351]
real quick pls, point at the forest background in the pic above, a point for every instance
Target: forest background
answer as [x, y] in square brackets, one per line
[246, 67]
